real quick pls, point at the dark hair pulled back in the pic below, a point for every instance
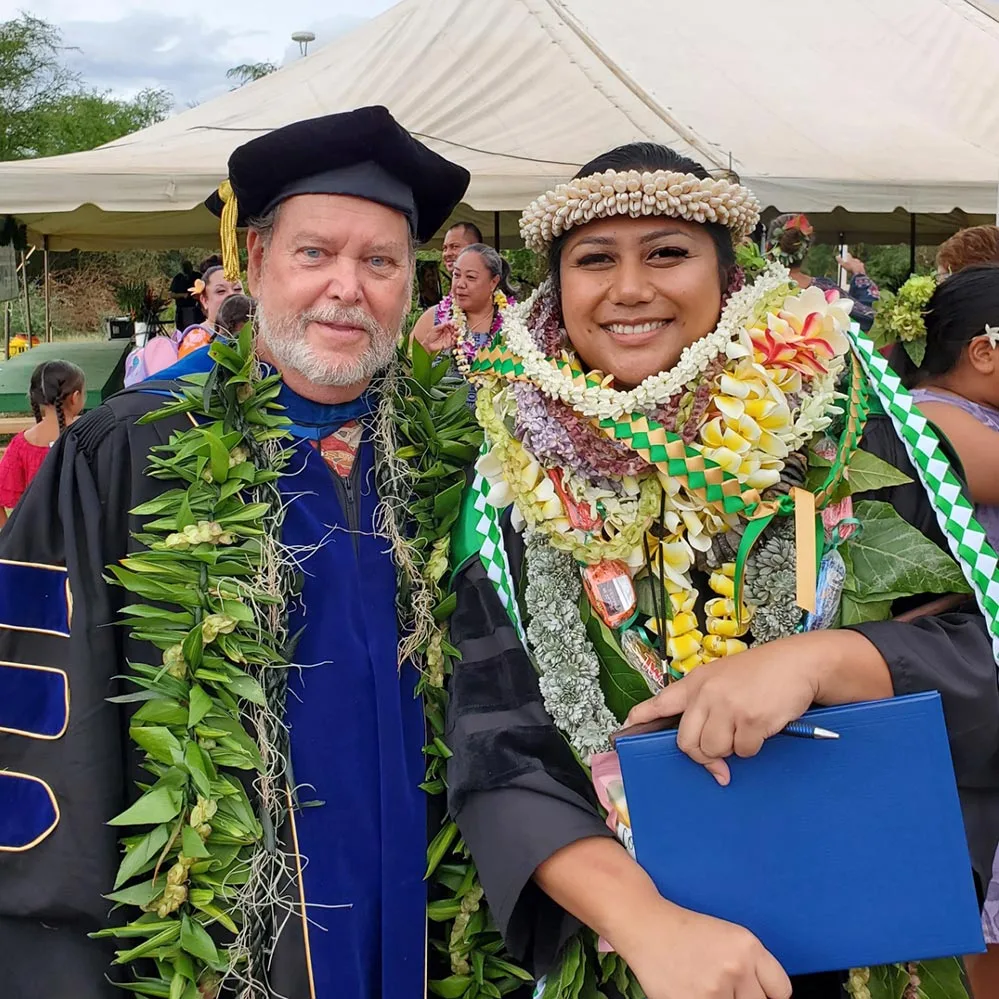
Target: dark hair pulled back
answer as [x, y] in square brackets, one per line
[495, 263]
[234, 313]
[958, 311]
[52, 383]
[649, 156]
[210, 273]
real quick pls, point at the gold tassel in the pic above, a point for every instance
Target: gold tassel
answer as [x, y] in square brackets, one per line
[804, 542]
[227, 232]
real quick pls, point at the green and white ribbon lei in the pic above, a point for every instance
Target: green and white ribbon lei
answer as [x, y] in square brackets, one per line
[954, 512]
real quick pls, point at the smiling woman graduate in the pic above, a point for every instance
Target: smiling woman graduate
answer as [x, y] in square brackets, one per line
[667, 463]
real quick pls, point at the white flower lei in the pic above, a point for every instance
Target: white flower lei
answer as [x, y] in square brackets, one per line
[602, 402]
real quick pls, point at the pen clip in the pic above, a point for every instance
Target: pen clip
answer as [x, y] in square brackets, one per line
[644, 728]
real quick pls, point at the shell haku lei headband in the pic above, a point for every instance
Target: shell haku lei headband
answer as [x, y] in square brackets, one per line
[635, 193]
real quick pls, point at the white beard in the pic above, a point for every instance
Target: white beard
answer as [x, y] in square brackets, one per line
[285, 339]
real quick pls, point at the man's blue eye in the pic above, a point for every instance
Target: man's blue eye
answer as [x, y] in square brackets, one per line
[312, 253]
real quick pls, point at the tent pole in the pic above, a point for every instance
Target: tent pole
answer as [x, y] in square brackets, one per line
[27, 301]
[496, 231]
[45, 266]
[912, 242]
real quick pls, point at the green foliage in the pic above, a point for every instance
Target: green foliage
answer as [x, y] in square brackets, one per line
[890, 560]
[623, 686]
[200, 598]
[438, 439]
[46, 110]
[749, 258]
[887, 265]
[938, 979]
[899, 317]
[864, 473]
[247, 72]
[80, 121]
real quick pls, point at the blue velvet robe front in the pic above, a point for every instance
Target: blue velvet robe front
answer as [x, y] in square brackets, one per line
[357, 733]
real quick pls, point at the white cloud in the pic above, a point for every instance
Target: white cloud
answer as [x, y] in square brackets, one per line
[186, 46]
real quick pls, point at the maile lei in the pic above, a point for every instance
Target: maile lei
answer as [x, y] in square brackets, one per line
[210, 587]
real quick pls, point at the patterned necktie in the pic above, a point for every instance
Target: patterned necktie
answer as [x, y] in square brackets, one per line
[339, 449]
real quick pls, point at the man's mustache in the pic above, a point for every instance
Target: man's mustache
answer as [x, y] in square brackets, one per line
[341, 315]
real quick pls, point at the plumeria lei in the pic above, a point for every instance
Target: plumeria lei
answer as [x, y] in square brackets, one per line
[749, 395]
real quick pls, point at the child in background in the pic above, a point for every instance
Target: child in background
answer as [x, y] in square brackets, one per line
[234, 313]
[57, 394]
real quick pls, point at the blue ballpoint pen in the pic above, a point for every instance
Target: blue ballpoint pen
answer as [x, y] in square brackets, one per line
[797, 729]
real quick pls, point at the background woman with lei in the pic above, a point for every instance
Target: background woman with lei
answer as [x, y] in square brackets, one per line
[645, 416]
[471, 314]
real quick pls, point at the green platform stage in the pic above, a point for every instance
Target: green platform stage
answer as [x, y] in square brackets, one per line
[103, 361]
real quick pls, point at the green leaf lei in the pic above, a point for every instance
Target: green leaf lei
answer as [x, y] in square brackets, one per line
[210, 597]
[437, 439]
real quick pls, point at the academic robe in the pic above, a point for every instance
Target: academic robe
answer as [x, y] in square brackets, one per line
[518, 796]
[356, 727]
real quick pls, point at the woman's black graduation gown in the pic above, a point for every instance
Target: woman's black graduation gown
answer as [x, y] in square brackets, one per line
[518, 795]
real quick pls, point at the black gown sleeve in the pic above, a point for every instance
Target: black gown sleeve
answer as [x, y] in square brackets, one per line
[57, 854]
[514, 787]
[950, 653]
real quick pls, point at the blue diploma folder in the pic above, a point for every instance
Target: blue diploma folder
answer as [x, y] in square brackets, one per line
[835, 854]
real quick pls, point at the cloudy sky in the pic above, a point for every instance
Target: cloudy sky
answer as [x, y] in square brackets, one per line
[186, 46]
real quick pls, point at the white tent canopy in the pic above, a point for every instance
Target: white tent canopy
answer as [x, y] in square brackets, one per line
[865, 105]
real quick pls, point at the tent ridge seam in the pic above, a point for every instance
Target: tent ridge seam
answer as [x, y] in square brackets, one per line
[683, 131]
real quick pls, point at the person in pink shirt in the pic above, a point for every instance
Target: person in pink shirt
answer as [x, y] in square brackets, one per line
[57, 393]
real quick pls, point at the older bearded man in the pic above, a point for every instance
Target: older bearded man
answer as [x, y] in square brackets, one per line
[332, 896]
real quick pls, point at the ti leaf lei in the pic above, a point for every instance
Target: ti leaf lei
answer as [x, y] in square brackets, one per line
[210, 599]
[438, 439]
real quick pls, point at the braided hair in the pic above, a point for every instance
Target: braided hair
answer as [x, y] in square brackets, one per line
[52, 383]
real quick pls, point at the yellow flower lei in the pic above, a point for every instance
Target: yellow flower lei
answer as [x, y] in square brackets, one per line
[523, 475]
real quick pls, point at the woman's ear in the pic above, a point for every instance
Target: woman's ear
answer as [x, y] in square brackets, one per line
[982, 355]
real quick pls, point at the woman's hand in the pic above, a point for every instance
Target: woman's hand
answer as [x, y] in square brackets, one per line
[676, 953]
[851, 264]
[730, 706]
[679, 954]
[438, 338]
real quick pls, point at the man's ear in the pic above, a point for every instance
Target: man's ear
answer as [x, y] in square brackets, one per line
[255, 259]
